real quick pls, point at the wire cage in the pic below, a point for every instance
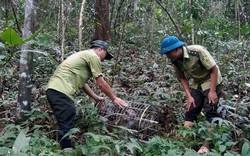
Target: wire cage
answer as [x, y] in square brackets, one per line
[141, 119]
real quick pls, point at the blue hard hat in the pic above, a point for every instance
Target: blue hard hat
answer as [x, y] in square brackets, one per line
[170, 43]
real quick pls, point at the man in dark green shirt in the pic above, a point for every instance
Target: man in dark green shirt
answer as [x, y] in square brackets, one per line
[71, 76]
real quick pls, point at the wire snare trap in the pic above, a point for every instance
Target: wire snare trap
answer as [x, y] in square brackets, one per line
[141, 119]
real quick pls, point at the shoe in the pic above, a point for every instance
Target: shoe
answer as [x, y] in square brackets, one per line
[203, 150]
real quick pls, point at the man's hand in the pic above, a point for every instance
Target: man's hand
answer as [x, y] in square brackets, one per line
[213, 98]
[190, 103]
[120, 102]
[99, 99]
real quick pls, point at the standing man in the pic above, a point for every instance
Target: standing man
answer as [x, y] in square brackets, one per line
[195, 63]
[71, 76]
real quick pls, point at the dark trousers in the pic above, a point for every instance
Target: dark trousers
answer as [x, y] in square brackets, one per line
[65, 112]
[202, 102]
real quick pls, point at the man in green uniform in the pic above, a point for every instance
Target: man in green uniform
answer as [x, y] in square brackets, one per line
[71, 76]
[195, 63]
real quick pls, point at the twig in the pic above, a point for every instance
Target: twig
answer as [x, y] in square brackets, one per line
[170, 17]
[118, 11]
[14, 12]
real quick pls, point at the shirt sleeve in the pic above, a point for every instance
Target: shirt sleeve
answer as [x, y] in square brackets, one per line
[206, 59]
[95, 66]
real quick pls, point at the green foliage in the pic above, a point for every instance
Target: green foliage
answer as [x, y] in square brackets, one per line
[20, 144]
[245, 150]
[21, 141]
[7, 139]
[108, 145]
[11, 37]
[220, 135]
[70, 133]
[143, 76]
[160, 146]
[87, 112]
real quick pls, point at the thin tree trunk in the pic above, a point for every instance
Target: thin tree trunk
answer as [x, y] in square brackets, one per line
[192, 20]
[151, 30]
[26, 60]
[63, 19]
[80, 25]
[136, 2]
[59, 19]
[192, 29]
[236, 11]
[117, 71]
[112, 13]
[237, 15]
[119, 6]
[15, 16]
[228, 7]
[6, 3]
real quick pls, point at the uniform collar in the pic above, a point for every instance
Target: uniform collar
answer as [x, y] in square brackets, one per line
[185, 52]
[185, 55]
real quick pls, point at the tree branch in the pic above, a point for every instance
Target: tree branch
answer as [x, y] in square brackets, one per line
[14, 12]
[119, 49]
[170, 17]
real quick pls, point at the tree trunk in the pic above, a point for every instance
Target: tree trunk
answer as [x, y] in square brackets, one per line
[59, 19]
[116, 18]
[63, 23]
[102, 29]
[116, 71]
[26, 60]
[80, 25]
[136, 2]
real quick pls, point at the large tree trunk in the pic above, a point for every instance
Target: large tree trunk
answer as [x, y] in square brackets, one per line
[26, 59]
[102, 30]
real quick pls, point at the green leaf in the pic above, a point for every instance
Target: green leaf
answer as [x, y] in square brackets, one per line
[248, 84]
[2, 57]
[101, 147]
[222, 148]
[133, 145]
[230, 143]
[11, 37]
[84, 150]
[99, 138]
[117, 148]
[4, 150]
[21, 141]
[191, 153]
[70, 132]
[69, 152]
[2, 46]
[245, 149]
